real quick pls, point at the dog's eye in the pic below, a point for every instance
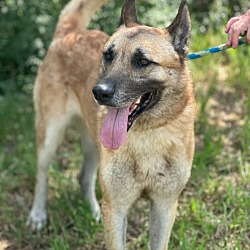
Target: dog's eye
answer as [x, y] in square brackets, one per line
[143, 62]
[108, 57]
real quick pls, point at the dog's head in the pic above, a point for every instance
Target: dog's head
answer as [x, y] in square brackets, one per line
[142, 71]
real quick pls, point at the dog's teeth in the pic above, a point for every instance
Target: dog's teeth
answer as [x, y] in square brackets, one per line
[132, 107]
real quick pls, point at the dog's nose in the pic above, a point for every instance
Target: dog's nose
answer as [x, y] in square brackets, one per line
[103, 93]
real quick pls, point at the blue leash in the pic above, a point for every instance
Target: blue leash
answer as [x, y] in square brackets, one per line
[209, 51]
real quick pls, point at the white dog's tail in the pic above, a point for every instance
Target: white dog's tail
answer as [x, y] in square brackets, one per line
[80, 10]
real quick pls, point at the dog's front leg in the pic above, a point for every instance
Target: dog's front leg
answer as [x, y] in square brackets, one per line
[49, 135]
[38, 216]
[162, 216]
[87, 175]
[119, 193]
[115, 223]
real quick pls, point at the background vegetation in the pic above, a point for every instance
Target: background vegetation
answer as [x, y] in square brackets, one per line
[214, 208]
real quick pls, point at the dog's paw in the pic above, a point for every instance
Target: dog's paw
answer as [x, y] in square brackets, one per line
[37, 220]
[97, 215]
[95, 210]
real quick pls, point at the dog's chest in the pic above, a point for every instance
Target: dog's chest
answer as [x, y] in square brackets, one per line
[154, 164]
[151, 164]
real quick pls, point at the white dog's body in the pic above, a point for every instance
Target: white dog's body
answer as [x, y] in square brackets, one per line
[67, 74]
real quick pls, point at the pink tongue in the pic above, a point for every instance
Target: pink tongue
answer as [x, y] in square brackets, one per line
[114, 128]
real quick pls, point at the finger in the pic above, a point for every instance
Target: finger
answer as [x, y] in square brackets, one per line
[230, 22]
[235, 36]
[229, 40]
[248, 35]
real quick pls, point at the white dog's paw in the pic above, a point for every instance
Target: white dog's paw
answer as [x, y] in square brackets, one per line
[37, 220]
[97, 215]
[96, 211]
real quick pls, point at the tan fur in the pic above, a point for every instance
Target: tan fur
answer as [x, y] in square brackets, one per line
[155, 160]
[62, 97]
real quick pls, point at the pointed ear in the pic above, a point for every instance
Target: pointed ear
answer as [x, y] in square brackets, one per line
[180, 29]
[128, 15]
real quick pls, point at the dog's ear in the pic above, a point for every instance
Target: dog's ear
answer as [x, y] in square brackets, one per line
[180, 29]
[128, 15]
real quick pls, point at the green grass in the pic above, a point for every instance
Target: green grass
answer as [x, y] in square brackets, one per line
[213, 209]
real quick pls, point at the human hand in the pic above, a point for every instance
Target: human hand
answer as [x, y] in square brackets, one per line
[236, 26]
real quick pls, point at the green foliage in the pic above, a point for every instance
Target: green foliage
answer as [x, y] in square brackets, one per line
[26, 29]
[210, 14]
[157, 13]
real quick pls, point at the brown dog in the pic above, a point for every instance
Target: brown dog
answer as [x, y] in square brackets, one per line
[148, 132]
[145, 123]
[62, 97]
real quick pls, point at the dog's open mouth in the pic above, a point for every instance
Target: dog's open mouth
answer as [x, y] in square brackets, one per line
[138, 107]
[119, 120]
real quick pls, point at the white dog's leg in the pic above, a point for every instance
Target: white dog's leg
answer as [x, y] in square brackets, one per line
[162, 217]
[87, 177]
[45, 153]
